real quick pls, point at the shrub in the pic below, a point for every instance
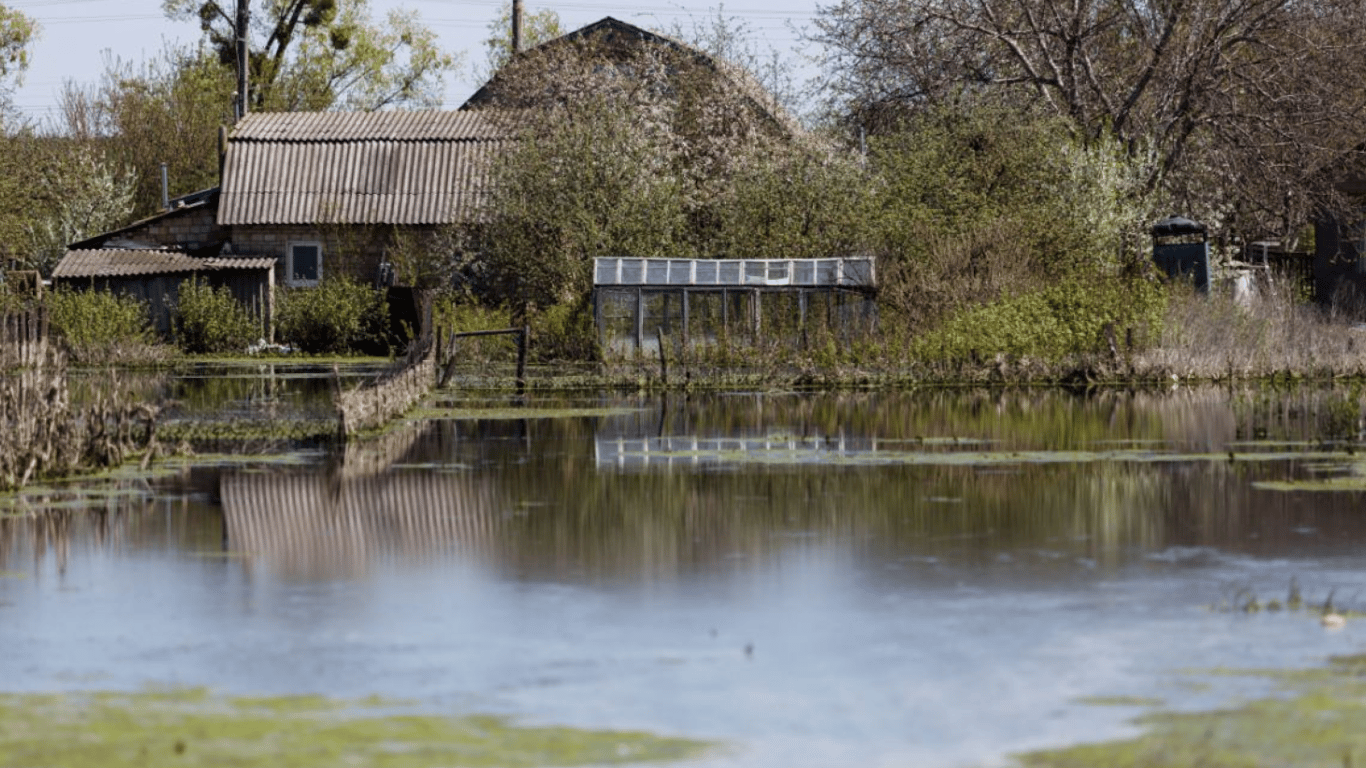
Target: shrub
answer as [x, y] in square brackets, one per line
[1068, 318]
[338, 316]
[209, 319]
[454, 315]
[98, 318]
[565, 332]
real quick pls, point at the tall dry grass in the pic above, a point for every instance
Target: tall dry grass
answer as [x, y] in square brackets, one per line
[1269, 333]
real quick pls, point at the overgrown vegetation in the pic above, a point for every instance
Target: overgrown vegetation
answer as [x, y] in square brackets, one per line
[98, 327]
[338, 316]
[209, 319]
[1009, 233]
[992, 235]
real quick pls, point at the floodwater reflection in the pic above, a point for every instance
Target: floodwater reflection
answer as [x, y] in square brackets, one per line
[868, 578]
[336, 522]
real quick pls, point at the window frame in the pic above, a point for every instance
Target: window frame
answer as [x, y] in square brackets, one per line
[289, 263]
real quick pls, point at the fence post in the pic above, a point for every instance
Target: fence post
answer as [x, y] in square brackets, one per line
[522, 343]
[440, 353]
[663, 357]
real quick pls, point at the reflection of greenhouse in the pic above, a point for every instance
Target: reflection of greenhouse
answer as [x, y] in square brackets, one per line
[666, 452]
[705, 301]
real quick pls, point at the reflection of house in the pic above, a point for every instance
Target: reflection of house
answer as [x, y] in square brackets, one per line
[312, 524]
[339, 521]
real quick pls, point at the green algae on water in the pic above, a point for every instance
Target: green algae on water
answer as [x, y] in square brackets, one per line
[457, 413]
[1317, 718]
[192, 727]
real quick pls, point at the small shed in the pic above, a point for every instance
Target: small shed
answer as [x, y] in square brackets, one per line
[1181, 249]
[154, 276]
[703, 301]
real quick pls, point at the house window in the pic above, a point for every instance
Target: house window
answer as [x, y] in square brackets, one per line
[304, 265]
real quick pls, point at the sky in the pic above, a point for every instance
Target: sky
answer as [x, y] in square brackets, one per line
[78, 37]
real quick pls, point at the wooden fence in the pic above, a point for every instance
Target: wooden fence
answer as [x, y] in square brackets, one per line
[375, 403]
[429, 364]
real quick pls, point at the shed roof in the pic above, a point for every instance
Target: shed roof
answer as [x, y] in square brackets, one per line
[123, 262]
[359, 168]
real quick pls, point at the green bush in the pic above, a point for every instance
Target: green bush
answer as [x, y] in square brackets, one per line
[564, 332]
[338, 316]
[1064, 319]
[86, 319]
[209, 319]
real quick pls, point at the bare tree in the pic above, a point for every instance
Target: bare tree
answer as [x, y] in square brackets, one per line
[1238, 103]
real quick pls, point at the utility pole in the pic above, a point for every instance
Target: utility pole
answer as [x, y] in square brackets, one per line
[243, 74]
[516, 26]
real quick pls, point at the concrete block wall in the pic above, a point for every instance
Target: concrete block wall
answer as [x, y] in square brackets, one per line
[353, 250]
[191, 229]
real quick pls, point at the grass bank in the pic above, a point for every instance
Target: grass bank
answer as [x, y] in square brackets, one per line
[1181, 337]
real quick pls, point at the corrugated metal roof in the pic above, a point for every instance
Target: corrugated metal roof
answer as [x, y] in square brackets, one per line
[238, 262]
[120, 262]
[359, 168]
[367, 126]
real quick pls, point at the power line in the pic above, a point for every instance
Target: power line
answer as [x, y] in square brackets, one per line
[99, 19]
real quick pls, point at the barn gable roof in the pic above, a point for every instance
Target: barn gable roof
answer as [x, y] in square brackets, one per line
[359, 168]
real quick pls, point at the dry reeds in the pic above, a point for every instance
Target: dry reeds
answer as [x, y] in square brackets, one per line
[1266, 334]
[42, 435]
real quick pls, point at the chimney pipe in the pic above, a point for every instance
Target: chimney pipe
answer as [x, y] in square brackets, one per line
[516, 27]
[165, 188]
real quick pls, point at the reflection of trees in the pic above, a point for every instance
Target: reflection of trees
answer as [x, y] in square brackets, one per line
[115, 517]
[651, 522]
[1198, 418]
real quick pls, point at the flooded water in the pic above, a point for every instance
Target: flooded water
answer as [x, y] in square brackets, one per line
[928, 579]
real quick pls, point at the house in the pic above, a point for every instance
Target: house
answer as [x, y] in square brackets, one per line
[304, 194]
[332, 191]
[189, 223]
